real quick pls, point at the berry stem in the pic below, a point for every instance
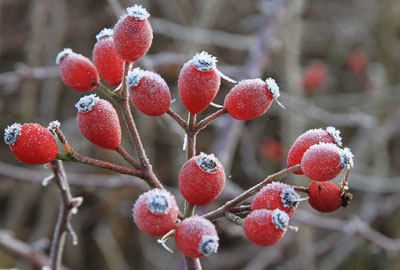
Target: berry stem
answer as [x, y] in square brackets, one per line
[233, 218]
[125, 155]
[106, 90]
[121, 90]
[239, 209]
[301, 189]
[177, 118]
[206, 121]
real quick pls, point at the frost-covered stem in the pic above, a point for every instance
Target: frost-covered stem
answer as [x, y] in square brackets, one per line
[121, 90]
[219, 213]
[125, 155]
[233, 218]
[301, 189]
[239, 209]
[177, 118]
[206, 121]
[106, 90]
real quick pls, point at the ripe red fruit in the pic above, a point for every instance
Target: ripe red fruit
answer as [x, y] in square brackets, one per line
[250, 99]
[265, 227]
[148, 92]
[77, 71]
[201, 179]
[196, 237]
[199, 82]
[106, 59]
[357, 62]
[325, 161]
[98, 121]
[155, 212]
[271, 149]
[277, 195]
[314, 76]
[31, 143]
[325, 196]
[309, 138]
[133, 34]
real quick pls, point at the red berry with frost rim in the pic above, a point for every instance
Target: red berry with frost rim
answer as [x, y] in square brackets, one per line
[31, 143]
[250, 99]
[325, 161]
[98, 122]
[148, 92]
[277, 196]
[133, 34]
[106, 59]
[265, 227]
[199, 82]
[155, 212]
[77, 71]
[201, 179]
[196, 237]
[325, 196]
[309, 138]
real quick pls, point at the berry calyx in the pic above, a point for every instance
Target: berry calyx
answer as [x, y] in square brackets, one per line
[265, 227]
[31, 143]
[277, 195]
[199, 82]
[148, 92]
[325, 196]
[201, 179]
[133, 34]
[196, 237]
[77, 71]
[106, 59]
[155, 212]
[325, 161]
[98, 122]
[309, 138]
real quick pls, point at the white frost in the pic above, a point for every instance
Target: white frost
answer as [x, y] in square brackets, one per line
[63, 53]
[87, 103]
[11, 133]
[134, 77]
[204, 61]
[138, 12]
[106, 32]
[346, 159]
[335, 134]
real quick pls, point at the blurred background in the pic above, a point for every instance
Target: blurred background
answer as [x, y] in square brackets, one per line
[337, 64]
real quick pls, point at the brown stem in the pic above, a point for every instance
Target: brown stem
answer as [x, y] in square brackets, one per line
[128, 157]
[206, 121]
[106, 90]
[177, 118]
[301, 189]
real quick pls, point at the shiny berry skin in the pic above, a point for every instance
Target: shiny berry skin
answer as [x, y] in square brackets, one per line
[148, 92]
[309, 138]
[155, 212]
[314, 77]
[77, 71]
[265, 227]
[196, 237]
[31, 143]
[98, 122]
[325, 196]
[250, 99]
[201, 179]
[277, 195]
[325, 161]
[133, 34]
[199, 82]
[106, 59]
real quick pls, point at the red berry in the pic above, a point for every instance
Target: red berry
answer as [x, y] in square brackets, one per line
[106, 59]
[31, 143]
[265, 227]
[314, 77]
[77, 71]
[277, 196]
[250, 99]
[196, 237]
[357, 62]
[133, 34]
[155, 212]
[199, 82]
[325, 196]
[325, 161]
[271, 149]
[98, 122]
[309, 138]
[201, 179]
[149, 92]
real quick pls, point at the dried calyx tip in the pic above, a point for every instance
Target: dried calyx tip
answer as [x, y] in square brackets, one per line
[11, 133]
[208, 163]
[273, 87]
[87, 103]
[54, 125]
[335, 134]
[346, 159]
[138, 12]
[204, 61]
[158, 202]
[290, 198]
[208, 244]
[134, 77]
[106, 32]
[280, 219]
[63, 53]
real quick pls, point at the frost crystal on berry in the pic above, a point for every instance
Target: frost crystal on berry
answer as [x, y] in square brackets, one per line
[138, 12]
[134, 77]
[11, 133]
[53, 126]
[106, 32]
[335, 134]
[280, 219]
[63, 53]
[346, 158]
[290, 198]
[204, 61]
[87, 103]
[208, 163]
[158, 202]
[208, 244]
[273, 87]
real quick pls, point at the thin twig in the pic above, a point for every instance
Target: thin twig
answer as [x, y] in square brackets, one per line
[128, 157]
[206, 121]
[177, 118]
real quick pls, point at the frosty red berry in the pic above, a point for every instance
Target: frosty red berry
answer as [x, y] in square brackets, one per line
[98, 122]
[325, 196]
[31, 143]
